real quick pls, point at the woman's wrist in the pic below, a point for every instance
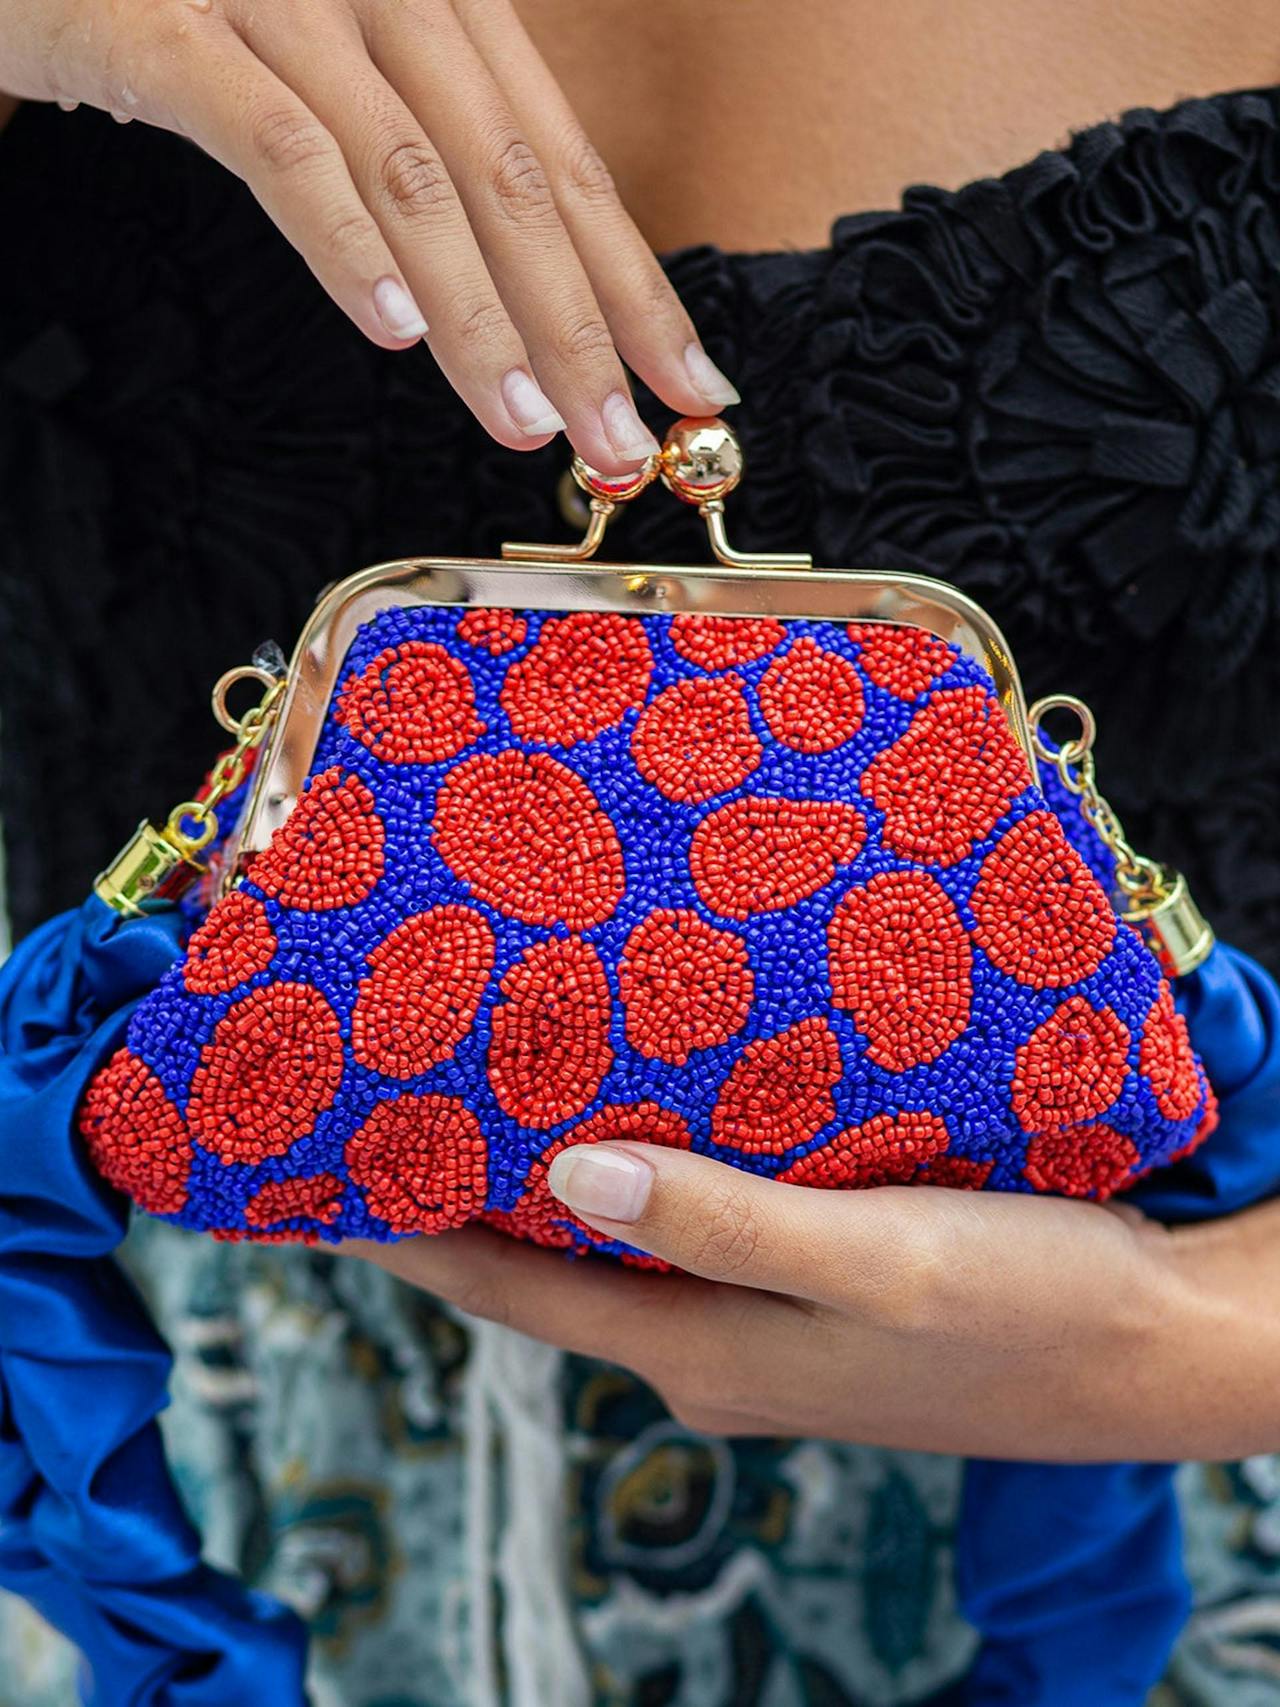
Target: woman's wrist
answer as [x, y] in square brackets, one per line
[1220, 1347]
[1159, 1335]
[1064, 1332]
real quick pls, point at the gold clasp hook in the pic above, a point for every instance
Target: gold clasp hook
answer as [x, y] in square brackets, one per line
[605, 492]
[701, 462]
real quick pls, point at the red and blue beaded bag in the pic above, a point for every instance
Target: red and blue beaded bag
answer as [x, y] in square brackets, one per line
[759, 860]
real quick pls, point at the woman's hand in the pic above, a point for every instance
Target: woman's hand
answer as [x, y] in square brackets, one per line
[422, 158]
[991, 1325]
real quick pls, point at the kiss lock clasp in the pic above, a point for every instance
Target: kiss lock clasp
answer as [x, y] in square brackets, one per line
[700, 462]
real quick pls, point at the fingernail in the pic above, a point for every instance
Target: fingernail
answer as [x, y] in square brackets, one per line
[397, 310]
[596, 1181]
[528, 406]
[627, 434]
[706, 377]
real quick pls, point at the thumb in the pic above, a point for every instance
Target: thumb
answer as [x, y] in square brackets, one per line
[718, 1221]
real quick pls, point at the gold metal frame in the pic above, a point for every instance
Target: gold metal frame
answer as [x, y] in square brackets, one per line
[634, 589]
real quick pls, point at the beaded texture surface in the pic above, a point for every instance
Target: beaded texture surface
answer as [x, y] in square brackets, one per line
[786, 894]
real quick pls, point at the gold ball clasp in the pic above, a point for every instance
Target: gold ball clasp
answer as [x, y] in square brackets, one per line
[701, 459]
[614, 488]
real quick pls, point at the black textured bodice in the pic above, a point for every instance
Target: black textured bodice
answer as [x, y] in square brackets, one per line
[1059, 389]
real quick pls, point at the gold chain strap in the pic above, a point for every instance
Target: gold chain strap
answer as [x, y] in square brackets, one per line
[233, 766]
[159, 863]
[1142, 882]
[1151, 897]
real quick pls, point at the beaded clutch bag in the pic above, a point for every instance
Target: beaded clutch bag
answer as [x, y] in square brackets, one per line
[764, 860]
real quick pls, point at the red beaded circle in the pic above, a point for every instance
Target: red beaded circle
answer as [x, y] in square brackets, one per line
[540, 1216]
[492, 631]
[684, 984]
[329, 853]
[695, 739]
[778, 1094]
[811, 699]
[1040, 915]
[233, 944]
[957, 1173]
[413, 705]
[1080, 1161]
[527, 835]
[721, 642]
[549, 1050]
[945, 783]
[906, 662]
[901, 965]
[318, 1198]
[421, 1163]
[1168, 1061]
[425, 983]
[888, 1149]
[1071, 1068]
[273, 1066]
[760, 855]
[581, 677]
[136, 1137]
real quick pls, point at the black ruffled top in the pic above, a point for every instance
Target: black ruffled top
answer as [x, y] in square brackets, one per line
[1059, 389]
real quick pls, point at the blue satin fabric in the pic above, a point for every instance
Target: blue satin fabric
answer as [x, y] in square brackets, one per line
[1073, 1573]
[91, 1529]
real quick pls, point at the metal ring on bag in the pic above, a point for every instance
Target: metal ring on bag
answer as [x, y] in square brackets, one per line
[1071, 752]
[224, 684]
[197, 812]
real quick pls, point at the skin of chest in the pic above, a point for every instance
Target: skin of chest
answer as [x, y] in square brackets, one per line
[756, 129]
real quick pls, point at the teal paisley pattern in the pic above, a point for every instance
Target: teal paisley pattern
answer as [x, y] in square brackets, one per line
[319, 1430]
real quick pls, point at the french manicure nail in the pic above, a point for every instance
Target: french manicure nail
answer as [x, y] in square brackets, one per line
[397, 310]
[528, 406]
[706, 378]
[606, 1183]
[627, 434]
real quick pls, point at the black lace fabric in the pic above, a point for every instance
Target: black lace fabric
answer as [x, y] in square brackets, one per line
[1059, 389]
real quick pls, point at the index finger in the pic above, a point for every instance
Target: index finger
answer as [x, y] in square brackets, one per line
[651, 328]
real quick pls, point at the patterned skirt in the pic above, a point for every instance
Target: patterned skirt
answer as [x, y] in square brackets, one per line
[467, 1519]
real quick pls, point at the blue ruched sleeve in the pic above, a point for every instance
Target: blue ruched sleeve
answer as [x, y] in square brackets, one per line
[1073, 1572]
[1232, 1009]
[91, 1529]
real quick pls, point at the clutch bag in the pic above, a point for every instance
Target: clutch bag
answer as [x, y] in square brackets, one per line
[763, 860]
